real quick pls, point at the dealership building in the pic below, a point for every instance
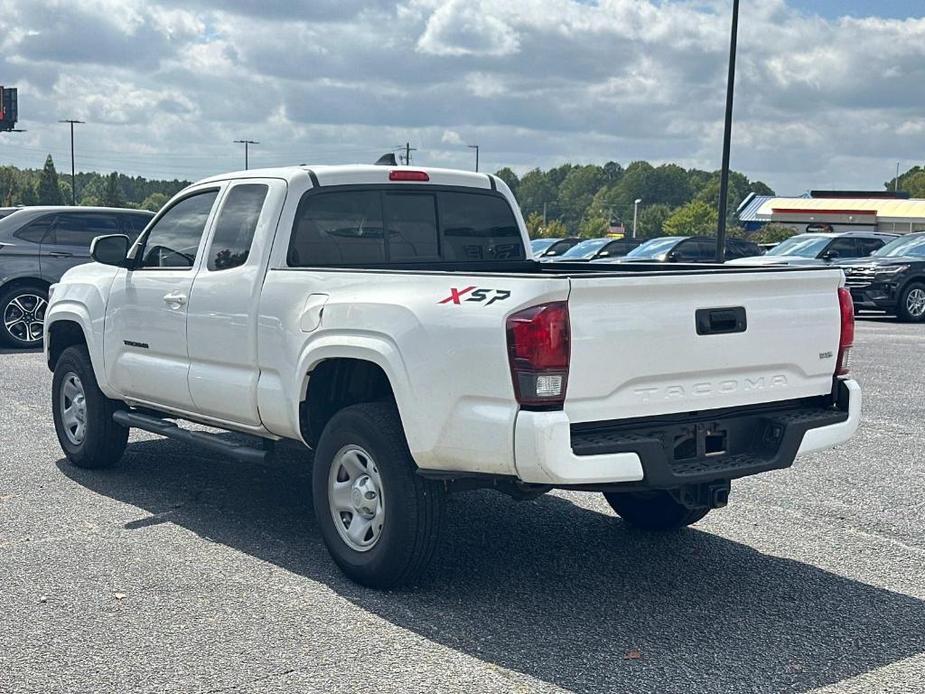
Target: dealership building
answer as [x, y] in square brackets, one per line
[836, 211]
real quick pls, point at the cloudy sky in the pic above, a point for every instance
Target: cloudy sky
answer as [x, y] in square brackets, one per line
[829, 92]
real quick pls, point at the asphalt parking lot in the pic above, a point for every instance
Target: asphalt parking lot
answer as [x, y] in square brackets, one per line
[183, 572]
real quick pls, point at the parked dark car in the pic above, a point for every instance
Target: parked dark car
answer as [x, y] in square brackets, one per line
[687, 249]
[892, 279]
[37, 246]
[595, 249]
[550, 248]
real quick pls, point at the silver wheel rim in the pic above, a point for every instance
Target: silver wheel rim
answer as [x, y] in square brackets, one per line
[356, 498]
[24, 317]
[73, 404]
[915, 303]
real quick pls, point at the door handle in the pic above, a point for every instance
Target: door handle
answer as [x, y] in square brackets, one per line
[60, 254]
[178, 299]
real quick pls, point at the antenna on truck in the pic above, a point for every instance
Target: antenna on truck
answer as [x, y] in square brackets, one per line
[387, 159]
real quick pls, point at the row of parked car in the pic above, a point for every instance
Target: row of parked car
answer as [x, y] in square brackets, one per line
[885, 272]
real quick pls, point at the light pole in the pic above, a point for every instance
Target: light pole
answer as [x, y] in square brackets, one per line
[73, 182]
[635, 214]
[727, 137]
[896, 183]
[476, 148]
[247, 144]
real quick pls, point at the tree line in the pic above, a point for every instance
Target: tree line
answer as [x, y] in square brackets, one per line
[45, 187]
[582, 200]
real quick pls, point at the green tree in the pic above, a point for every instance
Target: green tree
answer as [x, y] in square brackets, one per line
[696, 218]
[536, 229]
[651, 220]
[28, 196]
[577, 191]
[613, 172]
[48, 191]
[593, 227]
[773, 233]
[112, 194]
[509, 177]
[534, 191]
[154, 202]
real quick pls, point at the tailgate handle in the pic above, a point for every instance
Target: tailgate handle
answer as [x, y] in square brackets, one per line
[721, 321]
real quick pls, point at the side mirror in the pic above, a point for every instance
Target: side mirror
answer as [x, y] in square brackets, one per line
[110, 250]
[672, 256]
[829, 255]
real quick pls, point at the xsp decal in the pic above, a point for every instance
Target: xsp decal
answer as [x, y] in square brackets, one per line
[475, 294]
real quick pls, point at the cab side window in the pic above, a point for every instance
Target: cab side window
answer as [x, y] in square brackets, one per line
[78, 229]
[235, 226]
[36, 230]
[845, 248]
[868, 246]
[695, 251]
[173, 241]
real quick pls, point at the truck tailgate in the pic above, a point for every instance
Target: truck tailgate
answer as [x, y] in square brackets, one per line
[636, 349]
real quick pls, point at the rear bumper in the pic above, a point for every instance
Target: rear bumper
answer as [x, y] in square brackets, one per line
[677, 450]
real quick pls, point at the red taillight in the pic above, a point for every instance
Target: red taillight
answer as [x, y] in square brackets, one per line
[402, 175]
[539, 347]
[846, 337]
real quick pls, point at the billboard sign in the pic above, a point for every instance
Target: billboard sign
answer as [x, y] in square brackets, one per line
[9, 107]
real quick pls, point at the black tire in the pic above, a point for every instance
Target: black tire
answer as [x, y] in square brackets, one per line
[903, 309]
[655, 510]
[103, 441]
[413, 505]
[19, 303]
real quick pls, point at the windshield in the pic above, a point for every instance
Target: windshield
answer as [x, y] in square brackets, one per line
[906, 246]
[540, 245]
[585, 249]
[655, 247]
[803, 246]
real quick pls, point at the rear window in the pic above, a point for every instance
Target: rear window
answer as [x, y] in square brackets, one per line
[377, 226]
[35, 231]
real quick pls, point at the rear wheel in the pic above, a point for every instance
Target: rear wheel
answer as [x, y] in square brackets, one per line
[22, 315]
[83, 415]
[379, 519]
[912, 303]
[653, 510]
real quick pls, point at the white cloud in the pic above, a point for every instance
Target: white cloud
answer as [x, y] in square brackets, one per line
[167, 85]
[466, 28]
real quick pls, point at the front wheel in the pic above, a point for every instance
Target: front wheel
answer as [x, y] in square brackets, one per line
[22, 315]
[379, 519]
[83, 414]
[654, 510]
[912, 303]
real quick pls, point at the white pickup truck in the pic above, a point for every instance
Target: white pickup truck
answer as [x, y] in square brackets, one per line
[393, 320]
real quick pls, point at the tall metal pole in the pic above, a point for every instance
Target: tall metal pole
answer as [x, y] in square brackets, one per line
[247, 144]
[476, 148]
[896, 184]
[727, 137]
[635, 214]
[73, 179]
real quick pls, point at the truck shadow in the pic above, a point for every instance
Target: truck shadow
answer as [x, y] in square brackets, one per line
[550, 589]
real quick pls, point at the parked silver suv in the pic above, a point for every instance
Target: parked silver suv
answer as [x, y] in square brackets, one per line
[820, 249]
[37, 246]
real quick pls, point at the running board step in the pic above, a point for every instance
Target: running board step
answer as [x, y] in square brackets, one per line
[156, 425]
